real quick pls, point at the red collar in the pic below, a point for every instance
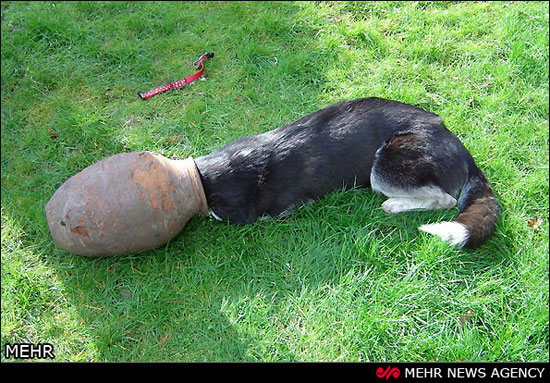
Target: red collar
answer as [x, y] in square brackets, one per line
[178, 84]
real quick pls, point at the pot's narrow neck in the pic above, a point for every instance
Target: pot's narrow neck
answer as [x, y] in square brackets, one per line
[189, 168]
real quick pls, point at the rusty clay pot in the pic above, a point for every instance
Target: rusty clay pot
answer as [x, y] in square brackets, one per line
[127, 203]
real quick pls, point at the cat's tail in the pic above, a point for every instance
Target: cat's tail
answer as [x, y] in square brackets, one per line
[478, 214]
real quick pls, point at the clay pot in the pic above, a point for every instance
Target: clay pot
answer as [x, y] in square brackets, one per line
[127, 203]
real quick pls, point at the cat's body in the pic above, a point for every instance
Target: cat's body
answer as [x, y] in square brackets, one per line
[397, 149]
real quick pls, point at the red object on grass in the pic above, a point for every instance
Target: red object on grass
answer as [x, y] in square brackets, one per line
[179, 84]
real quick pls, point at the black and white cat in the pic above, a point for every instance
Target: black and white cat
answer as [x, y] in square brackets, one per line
[397, 149]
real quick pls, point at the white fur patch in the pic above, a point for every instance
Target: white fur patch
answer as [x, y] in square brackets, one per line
[406, 199]
[434, 202]
[214, 215]
[453, 232]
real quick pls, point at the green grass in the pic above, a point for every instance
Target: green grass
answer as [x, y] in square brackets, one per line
[340, 280]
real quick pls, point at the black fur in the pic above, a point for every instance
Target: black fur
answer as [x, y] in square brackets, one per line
[332, 148]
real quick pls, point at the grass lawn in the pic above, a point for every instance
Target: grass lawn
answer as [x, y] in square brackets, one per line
[340, 280]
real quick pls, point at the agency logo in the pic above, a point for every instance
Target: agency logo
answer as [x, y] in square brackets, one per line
[29, 351]
[388, 372]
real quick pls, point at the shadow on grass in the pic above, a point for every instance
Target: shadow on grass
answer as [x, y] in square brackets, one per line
[220, 292]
